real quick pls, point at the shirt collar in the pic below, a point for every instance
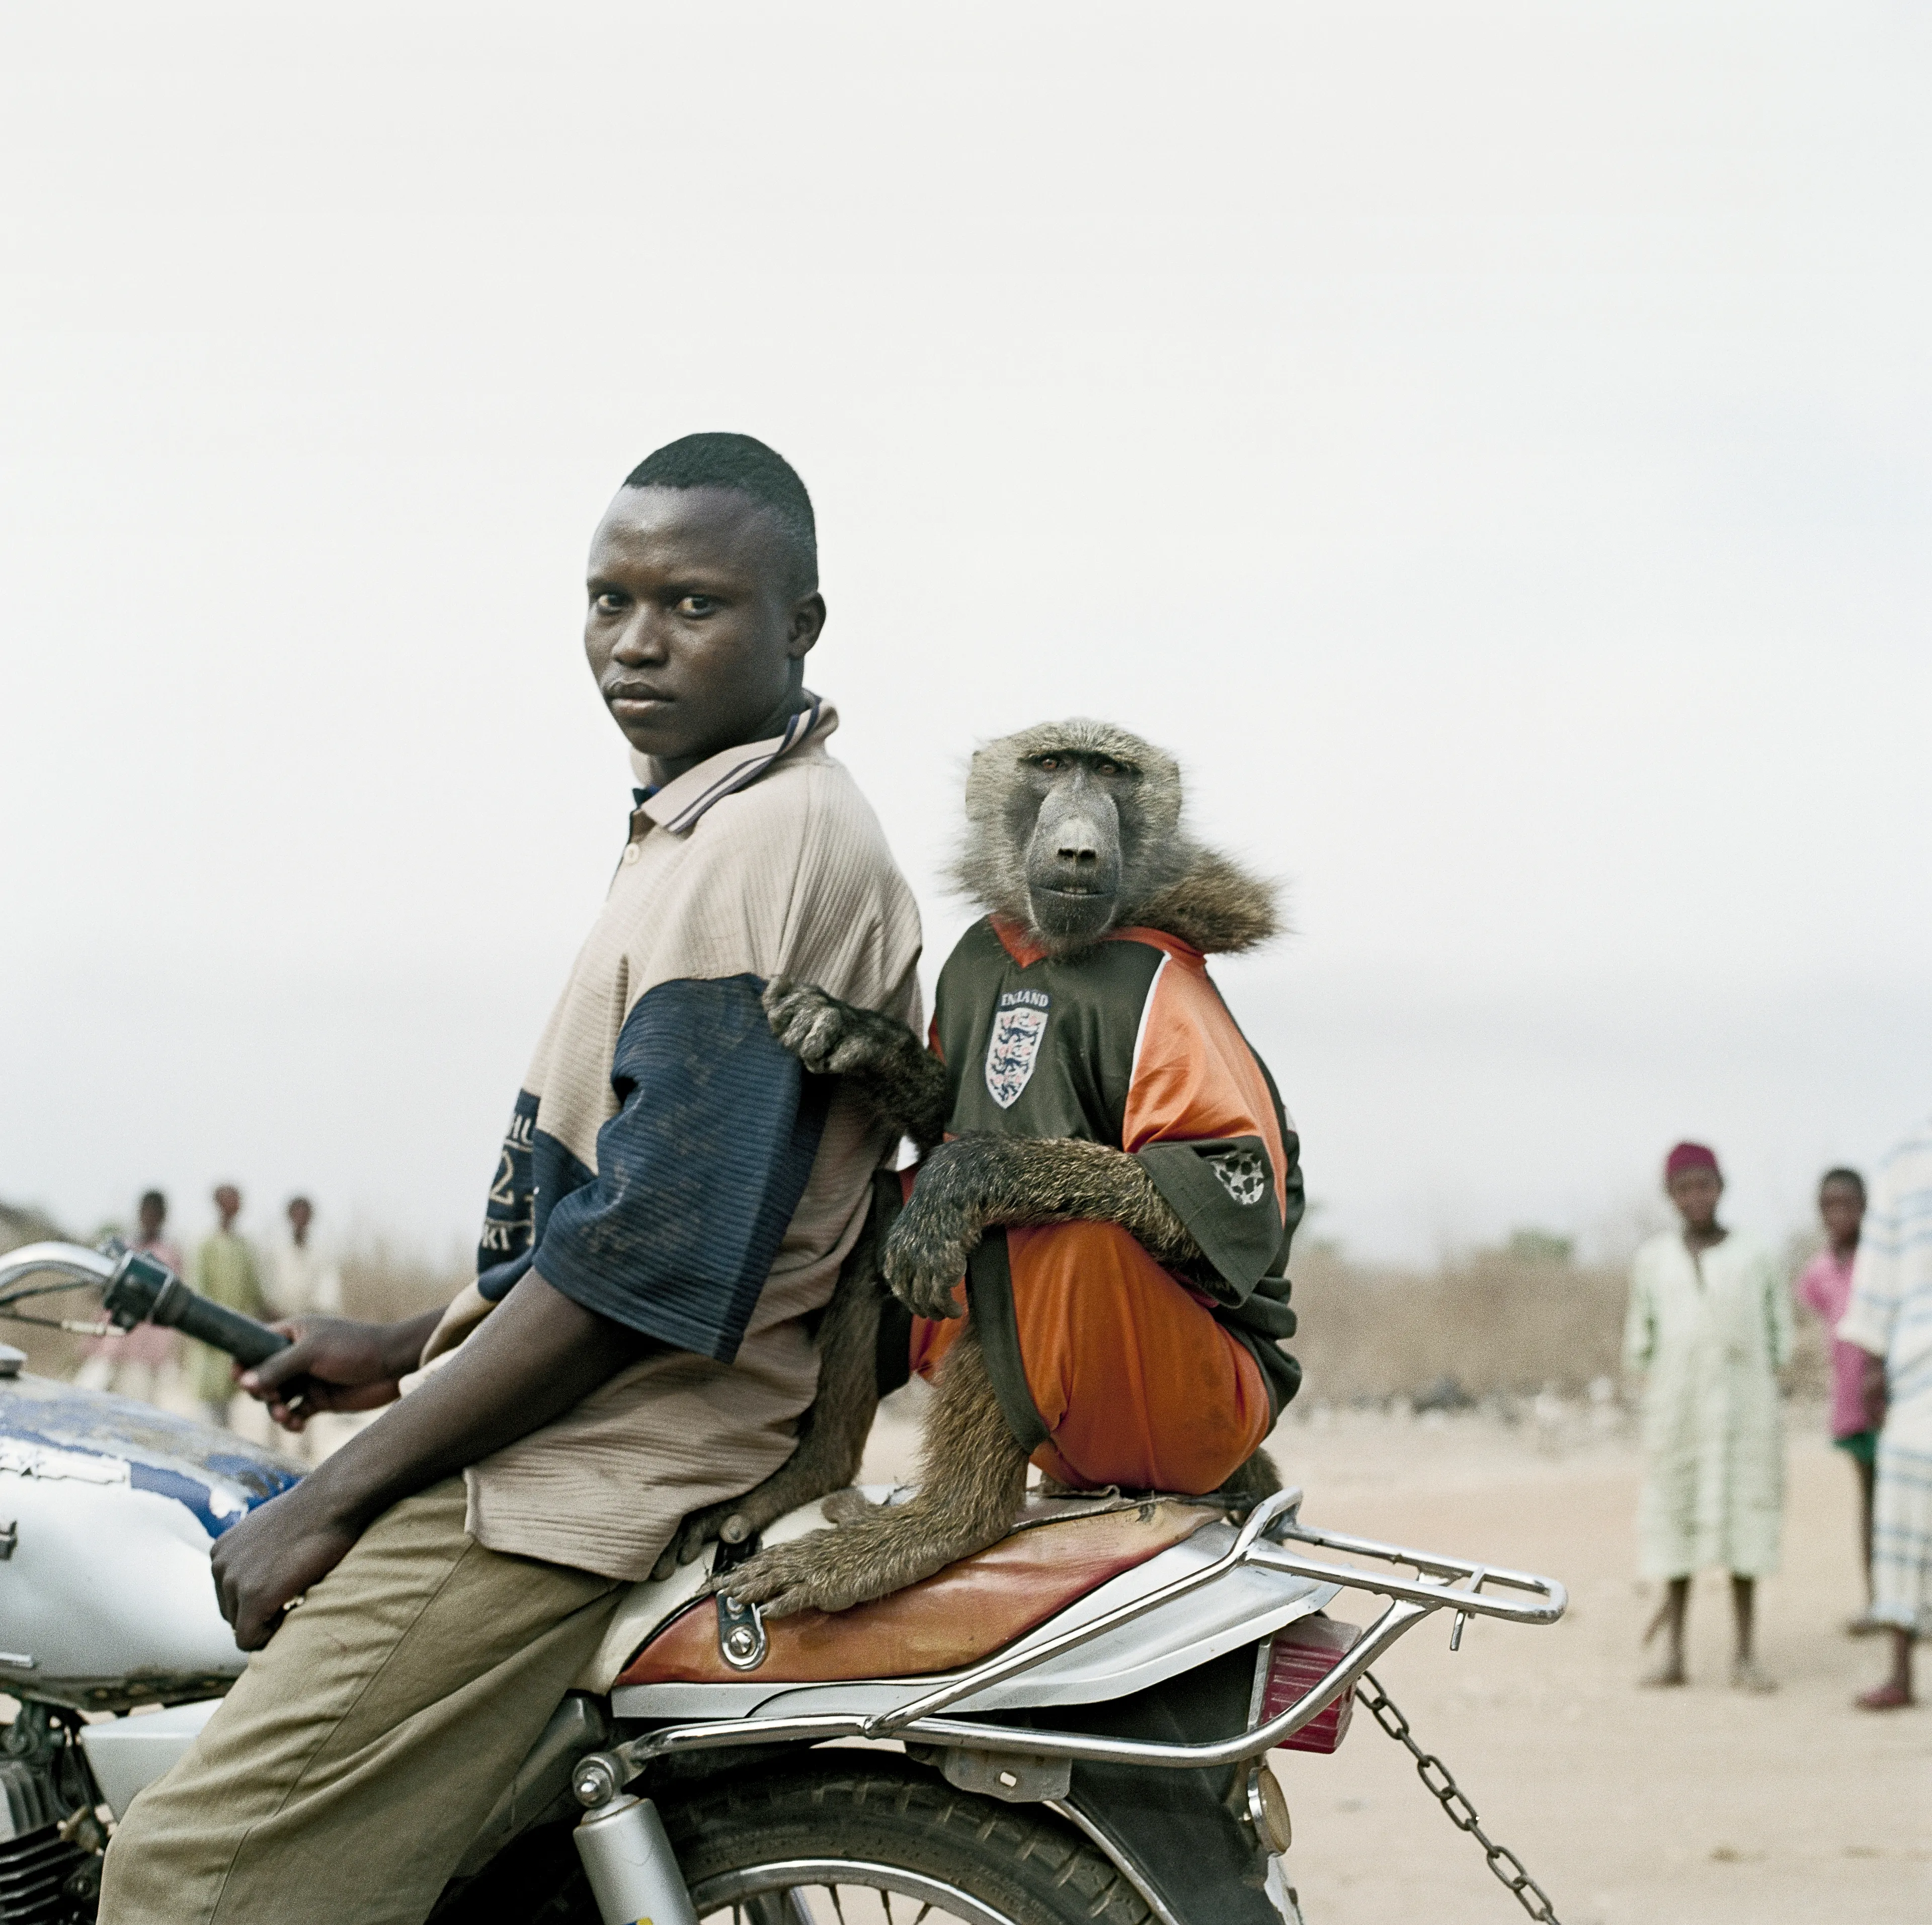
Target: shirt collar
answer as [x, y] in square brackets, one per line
[678, 804]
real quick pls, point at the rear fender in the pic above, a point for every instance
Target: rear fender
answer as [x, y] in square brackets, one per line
[1183, 1837]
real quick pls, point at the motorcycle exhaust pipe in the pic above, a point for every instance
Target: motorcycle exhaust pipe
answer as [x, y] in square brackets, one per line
[141, 1291]
[632, 1870]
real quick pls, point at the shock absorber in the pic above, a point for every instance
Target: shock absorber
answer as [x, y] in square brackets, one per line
[632, 1870]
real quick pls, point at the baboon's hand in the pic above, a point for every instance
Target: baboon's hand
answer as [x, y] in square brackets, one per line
[819, 1029]
[926, 1250]
[891, 1071]
[795, 1483]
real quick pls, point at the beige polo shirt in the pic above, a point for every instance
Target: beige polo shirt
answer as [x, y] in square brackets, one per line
[669, 1166]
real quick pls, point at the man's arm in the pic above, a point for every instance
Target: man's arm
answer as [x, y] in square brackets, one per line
[536, 1356]
[668, 1246]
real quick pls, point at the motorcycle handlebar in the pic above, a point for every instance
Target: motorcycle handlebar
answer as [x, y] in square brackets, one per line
[142, 1291]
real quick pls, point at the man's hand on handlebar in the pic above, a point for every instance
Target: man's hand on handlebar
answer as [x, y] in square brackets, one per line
[335, 1363]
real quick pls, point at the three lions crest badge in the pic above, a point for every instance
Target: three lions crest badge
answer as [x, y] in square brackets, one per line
[1018, 1024]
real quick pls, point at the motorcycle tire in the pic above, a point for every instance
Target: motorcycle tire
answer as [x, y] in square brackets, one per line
[763, 1850]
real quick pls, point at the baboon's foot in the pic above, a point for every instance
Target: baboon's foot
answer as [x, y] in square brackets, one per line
[730, 1521]
[832, 1570]
[736, 1518]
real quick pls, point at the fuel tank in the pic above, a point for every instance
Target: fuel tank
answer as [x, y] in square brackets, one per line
[108, 1510]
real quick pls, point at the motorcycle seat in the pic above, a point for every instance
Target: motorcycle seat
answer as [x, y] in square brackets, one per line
[959, 1615]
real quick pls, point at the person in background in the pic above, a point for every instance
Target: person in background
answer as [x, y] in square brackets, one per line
[139, 1364]
[301, 1281]
[1890, 1319]
[226, 1270]
[1710, 1325]
[1825, 1287]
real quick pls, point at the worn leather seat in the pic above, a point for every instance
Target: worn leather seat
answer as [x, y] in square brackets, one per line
[962, 1614]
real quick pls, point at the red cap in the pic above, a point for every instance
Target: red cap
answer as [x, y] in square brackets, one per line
[1690, 1156]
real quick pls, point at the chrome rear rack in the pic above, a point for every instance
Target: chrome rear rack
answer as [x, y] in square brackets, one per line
[1266, 1539]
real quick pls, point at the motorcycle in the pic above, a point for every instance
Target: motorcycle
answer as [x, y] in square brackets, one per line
[1073, 1725]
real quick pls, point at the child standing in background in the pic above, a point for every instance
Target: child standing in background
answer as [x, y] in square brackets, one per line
[140, 1364]
[1826, 1287]
[1710, 1327]
[300, 1280]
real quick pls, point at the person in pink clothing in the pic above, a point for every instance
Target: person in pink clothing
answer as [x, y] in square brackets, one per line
[141, 1363]
[1826, 1287]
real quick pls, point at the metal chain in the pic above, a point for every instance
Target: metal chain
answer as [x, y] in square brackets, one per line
[1462, 1814]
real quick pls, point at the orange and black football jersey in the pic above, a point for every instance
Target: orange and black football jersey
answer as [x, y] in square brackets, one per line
[1130, 1044]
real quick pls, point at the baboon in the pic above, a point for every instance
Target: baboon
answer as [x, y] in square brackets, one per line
[1084, 1074]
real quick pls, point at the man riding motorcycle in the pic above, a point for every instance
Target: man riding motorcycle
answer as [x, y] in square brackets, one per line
[673, 1204]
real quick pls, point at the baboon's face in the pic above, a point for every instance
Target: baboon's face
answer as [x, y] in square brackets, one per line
[1075, 814]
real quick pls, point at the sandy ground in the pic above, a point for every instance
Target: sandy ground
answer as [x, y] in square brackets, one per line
[1701, 1806]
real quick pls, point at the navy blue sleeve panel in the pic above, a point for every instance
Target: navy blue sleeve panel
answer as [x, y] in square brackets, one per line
[698, 1173]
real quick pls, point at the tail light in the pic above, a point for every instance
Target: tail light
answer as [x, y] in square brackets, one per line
[1292, 1662]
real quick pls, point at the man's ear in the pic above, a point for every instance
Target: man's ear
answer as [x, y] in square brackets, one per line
[808, 623]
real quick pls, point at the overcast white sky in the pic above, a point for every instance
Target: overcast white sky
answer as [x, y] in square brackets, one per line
[1488, 443]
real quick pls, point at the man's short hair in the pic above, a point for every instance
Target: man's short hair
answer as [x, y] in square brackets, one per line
[748, 466]
[1841, 1175]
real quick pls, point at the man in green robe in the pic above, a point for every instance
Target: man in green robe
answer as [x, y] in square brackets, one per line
[225, 1269]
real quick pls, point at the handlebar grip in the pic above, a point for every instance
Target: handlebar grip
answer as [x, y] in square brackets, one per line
[248, 1342]
[141, 1291]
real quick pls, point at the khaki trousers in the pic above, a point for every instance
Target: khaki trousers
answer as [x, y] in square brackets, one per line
[358, 1754]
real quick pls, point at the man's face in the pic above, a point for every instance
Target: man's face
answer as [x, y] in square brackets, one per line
[694, 632]
[153, 1216]
[300, 1216]
[1843, 1207]
[228, 1200]
[1696, 1193]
